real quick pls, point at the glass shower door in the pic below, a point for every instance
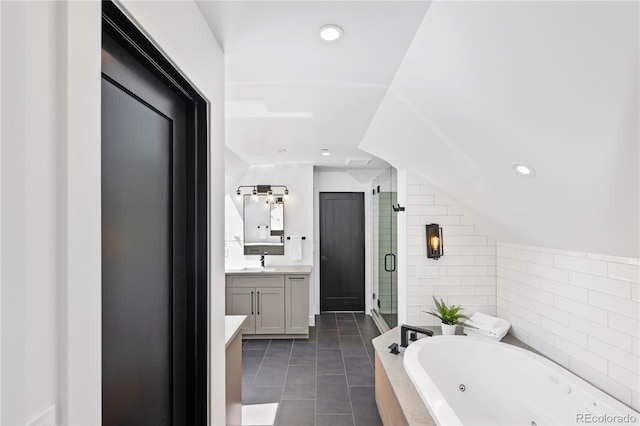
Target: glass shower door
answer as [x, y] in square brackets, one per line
[384, 221]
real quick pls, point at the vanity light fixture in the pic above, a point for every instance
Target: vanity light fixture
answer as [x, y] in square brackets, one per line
[331, 33]
[267, 190]
[434, 241]
[524, 169]
[325, 152]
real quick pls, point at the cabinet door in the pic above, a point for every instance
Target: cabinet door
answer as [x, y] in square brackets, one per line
[269, 310]
[297, 304]
[241, 301]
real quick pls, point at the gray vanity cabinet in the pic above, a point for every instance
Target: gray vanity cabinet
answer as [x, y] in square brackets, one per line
[275, 304]
[297, 304]
[261, 299]
[241, 301]
[270, 310]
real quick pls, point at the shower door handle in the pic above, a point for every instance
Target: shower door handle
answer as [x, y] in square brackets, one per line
[393, 263]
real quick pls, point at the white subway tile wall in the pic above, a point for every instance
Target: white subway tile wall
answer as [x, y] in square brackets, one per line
[580, 309]
[465, 275]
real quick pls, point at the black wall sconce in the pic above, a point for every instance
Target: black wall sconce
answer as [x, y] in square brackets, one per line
[434, 241]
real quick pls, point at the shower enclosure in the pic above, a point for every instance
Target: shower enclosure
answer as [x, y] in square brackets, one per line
[385, 245]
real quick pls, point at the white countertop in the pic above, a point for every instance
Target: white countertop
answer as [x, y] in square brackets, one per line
[232, 326]
[272, 270]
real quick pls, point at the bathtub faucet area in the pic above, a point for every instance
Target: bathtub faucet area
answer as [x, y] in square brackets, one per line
[405, 329]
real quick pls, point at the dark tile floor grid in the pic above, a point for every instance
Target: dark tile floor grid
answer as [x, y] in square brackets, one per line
[325, 380]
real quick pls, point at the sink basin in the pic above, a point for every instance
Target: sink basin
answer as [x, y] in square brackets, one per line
[258, 269]
[248, 269]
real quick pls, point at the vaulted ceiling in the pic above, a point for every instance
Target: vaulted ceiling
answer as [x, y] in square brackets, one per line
[457, 92]
[554, 85]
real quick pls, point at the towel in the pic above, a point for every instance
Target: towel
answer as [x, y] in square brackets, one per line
[487, 326]
[481, 335]
[262, 230]
[296, 248]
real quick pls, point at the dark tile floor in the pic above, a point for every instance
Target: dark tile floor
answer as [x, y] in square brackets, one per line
[325, 380]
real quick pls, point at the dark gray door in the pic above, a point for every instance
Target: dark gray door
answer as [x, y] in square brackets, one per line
[342, 251]
[144, 289]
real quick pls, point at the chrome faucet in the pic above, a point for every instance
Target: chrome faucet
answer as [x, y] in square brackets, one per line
[404, 329]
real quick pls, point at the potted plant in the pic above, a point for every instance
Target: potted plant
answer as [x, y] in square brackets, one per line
[450, 316]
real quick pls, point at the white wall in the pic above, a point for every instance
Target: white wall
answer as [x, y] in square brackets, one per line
[340, 181]
[465, 275]
[50, 219]
[582, 310]
[298, 215]
[79, 227]
[298, 211]
[29, 186]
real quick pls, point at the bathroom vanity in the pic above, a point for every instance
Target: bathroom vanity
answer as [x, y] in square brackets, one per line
[274, 299]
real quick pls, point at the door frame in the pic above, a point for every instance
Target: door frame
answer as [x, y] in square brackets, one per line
[76, 104]
[341, 187]
[132, 39]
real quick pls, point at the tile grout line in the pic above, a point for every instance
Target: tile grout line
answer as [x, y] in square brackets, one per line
[344, 366]
[284, 382]
[345, 375]
[315, 400]
[264, 355]
[365, 345]
[255, 377]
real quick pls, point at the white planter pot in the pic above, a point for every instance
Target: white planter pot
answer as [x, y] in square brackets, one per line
[448, 330]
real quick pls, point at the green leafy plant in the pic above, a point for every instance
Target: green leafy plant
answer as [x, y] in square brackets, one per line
[448, 314]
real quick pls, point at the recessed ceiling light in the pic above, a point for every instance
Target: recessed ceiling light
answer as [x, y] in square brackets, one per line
[281, 150]
[325, 152]
[331, 33]
[524, 170]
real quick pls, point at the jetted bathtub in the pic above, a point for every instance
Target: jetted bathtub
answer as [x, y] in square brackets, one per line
[472, 382]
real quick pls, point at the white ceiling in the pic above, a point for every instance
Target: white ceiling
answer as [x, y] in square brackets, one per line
[287, 88]
[456, 92]
[551, 84]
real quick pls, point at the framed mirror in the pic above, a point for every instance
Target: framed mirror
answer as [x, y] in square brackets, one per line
[263, 225]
